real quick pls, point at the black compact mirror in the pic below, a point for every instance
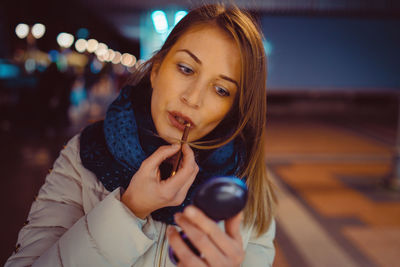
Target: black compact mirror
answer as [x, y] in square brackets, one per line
[221, 198]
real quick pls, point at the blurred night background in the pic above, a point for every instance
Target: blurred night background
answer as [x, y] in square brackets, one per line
[333, 110]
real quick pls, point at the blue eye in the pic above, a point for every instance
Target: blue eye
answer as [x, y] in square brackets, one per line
[184, 69]
[221, 91]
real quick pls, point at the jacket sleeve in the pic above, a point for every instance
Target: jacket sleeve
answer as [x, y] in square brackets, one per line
[260, 251]
[59, 233]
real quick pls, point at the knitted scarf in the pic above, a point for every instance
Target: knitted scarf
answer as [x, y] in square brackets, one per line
[114, 149]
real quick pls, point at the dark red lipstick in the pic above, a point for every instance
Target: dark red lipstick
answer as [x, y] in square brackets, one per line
[179, 120]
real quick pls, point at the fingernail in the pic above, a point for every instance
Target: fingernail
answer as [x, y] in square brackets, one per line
[190, 212]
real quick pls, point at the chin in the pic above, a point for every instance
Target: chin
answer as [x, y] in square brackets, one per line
[168, 139]
[169, 136]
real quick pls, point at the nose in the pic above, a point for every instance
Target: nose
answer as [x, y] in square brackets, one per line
[193, 96]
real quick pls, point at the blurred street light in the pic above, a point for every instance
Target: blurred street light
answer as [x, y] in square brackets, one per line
[179, 15]
[92, 45]
[22, 30]
[65, 39]
[117, 58]
[128, 60]
[160, 21]
[38, 30]
[101, 50]
[81, 45]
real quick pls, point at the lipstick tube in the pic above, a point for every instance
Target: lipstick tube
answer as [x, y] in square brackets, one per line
[179, 157]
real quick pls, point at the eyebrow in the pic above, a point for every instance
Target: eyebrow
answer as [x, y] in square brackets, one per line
[229, 80]
[191, 55]
[199, 62]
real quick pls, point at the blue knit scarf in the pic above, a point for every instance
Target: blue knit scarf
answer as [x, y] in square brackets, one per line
[114, 149]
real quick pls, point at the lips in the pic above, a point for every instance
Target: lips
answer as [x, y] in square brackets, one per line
[179, 120]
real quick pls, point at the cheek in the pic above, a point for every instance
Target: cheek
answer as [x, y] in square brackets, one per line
[213, 114]
[159, 93]
[164, 87]
[218, 108]
[155, 99]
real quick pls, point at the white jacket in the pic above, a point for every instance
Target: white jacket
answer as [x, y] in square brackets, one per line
[75, 221]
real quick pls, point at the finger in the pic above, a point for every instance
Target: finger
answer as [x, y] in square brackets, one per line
[232, 226]
[189, 166]
[185, 187]
[187, 156]
[182, 251]
[178, 186]
[191, 170]
[185, 175]
[161, 154]
[226, 244]
[209, 251]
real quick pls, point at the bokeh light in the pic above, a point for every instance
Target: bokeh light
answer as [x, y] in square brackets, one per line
[82, 33]
[53, 55]
[267, 47]
[38, 30]
[117, 58]
[133, 61]
[179, 15]
[101, 58]
[110, 55]
[96, 66]
[81, 45]
[92, 45]
[128, 60]
[30, 65]
[102, 49]
[65, 39]
[160, 21]
[22, 30]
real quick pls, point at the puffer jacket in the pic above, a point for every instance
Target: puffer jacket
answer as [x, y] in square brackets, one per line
[75, 221]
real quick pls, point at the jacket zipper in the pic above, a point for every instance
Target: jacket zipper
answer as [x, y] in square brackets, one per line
[162, 244]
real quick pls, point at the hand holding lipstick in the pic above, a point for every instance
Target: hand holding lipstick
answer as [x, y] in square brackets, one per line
[147, 192]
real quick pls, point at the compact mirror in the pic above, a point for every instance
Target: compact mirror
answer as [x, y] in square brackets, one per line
[221, 198]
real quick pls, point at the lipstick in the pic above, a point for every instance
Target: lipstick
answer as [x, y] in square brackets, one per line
[179, 157]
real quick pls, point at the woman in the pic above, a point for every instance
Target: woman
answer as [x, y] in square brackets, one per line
[111, 199]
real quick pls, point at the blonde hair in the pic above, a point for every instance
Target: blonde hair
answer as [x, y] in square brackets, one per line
[249, 110]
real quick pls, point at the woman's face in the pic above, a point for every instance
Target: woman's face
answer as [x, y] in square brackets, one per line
[196, 82]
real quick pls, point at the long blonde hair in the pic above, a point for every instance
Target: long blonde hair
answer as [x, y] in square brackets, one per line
[249, 110]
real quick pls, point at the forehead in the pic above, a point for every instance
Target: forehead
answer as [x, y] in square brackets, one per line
[202, 34]
[213, 46]
[206, 28]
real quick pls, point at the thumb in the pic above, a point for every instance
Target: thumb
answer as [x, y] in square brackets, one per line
[232, 226]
